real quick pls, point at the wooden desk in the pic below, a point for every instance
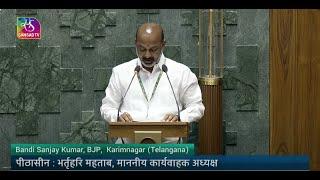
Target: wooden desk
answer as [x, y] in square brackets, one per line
[168, 129]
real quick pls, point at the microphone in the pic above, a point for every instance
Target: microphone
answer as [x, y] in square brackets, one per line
[136, 71]
[165, 69]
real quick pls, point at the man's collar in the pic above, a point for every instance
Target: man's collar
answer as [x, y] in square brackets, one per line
[161, 62]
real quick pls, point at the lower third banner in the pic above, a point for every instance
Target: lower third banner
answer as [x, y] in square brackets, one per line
[202, 163]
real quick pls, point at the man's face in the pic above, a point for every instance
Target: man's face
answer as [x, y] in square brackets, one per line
[149, 54]
[149, 48]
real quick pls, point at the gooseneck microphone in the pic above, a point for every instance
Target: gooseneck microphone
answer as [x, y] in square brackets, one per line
[165, 69]
[136, 71]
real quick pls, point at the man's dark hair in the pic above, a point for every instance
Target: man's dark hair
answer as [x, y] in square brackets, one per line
[162, 34]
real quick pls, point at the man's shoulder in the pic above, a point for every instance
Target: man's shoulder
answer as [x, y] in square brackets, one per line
[127, 66]
[177, 65]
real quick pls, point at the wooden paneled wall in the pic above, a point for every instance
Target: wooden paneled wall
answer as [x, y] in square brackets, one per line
[295, 83]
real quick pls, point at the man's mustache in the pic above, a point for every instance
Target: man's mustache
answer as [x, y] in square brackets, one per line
[151, 59]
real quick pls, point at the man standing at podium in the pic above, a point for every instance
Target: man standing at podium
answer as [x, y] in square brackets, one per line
[152, 87]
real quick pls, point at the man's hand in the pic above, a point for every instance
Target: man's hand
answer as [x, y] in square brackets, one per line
[170, 118]
[125, 117]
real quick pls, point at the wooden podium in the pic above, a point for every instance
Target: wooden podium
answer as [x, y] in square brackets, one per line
[153, 131]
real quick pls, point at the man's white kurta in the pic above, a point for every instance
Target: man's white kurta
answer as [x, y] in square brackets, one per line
[184, 82]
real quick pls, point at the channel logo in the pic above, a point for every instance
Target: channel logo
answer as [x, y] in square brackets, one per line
[28, 28]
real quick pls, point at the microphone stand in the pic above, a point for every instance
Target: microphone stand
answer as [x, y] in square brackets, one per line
[136, 71]
[165, 69]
